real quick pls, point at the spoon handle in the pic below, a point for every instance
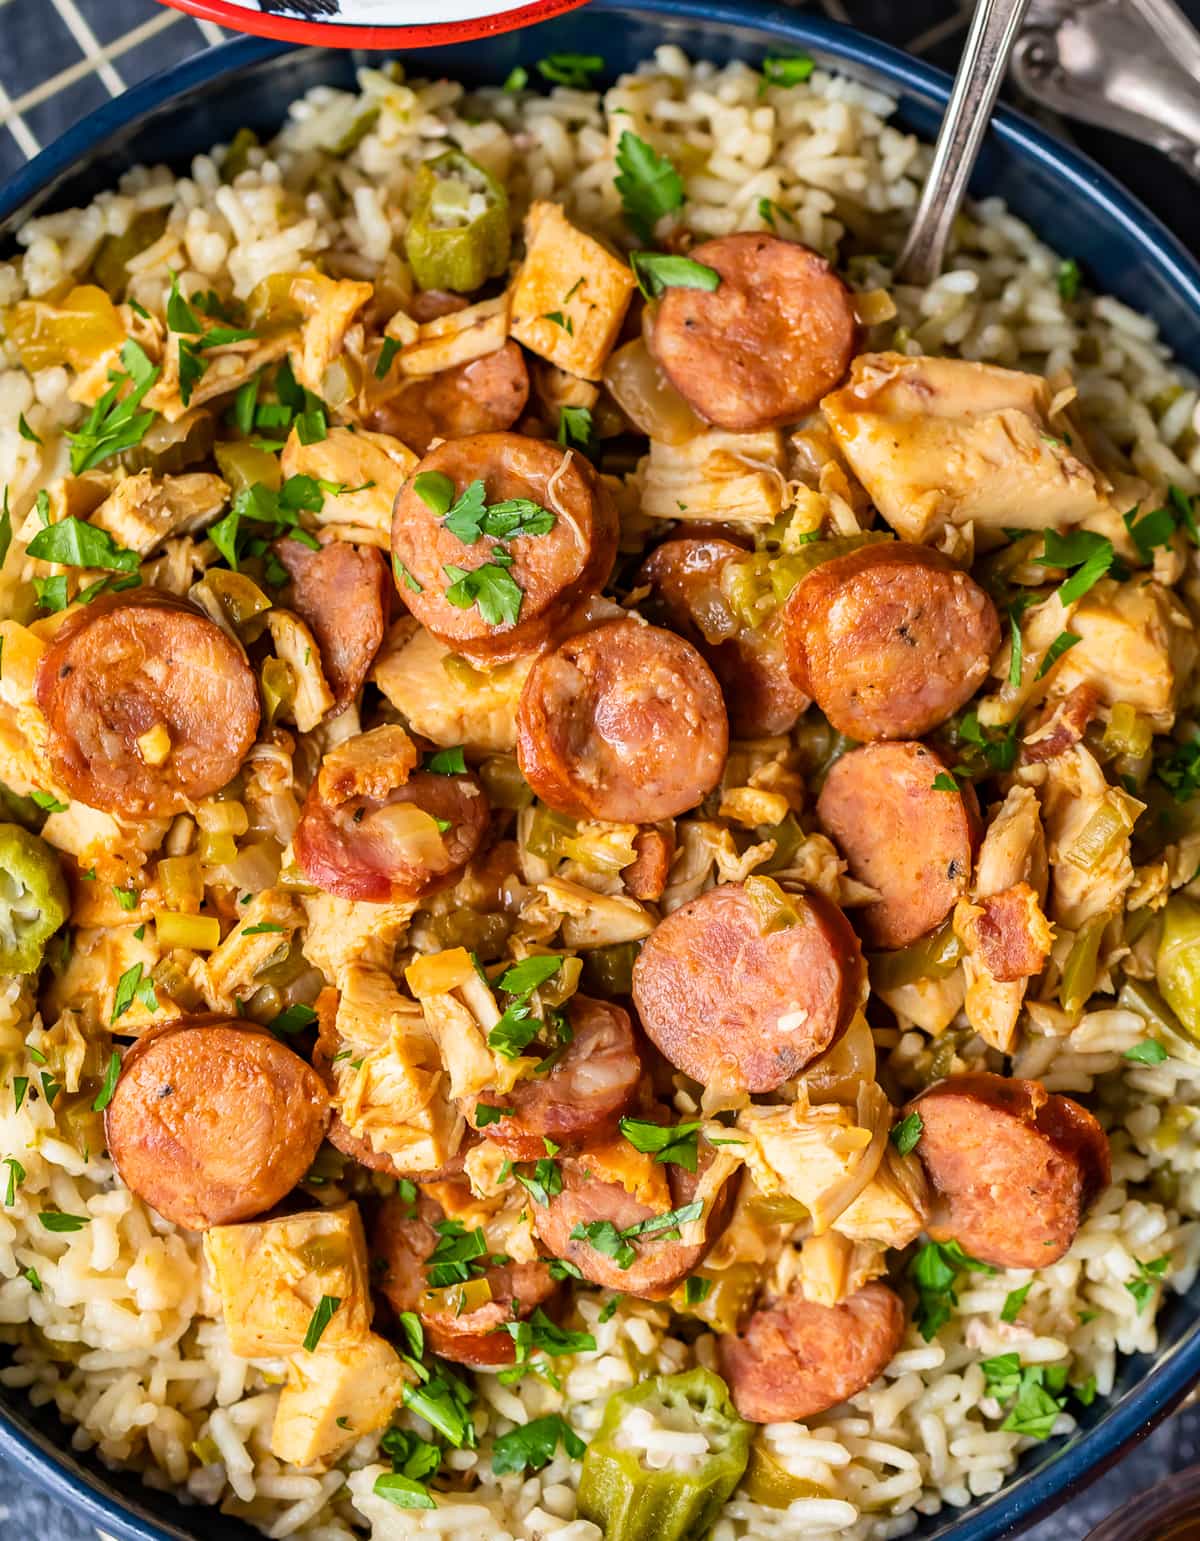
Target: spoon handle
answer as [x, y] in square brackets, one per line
[980, 73]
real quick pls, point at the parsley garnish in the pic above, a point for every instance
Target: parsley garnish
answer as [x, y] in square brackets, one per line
[906, 1132]
[1149, 1277]
[1148, 1052]
[5, 527]
[75, 543]
[402, 575]
[127, 898]
[604, 1237]
[105, 1095]
[454, 1259]
[544, 1184]
[527, 975]
[114, 425]
[656, 272]
[470, 515]
[182, 319]
[132, 986]
[575, 427]
[934, 1270]
[532, 1445]
[387, 353]
[516, 80]
[320, 1319]
[414, 1460]
[944, 782]
[676, 1144]
[491, 587]
[1013, 1302]
[1089, 554]
[648, 183]
[1035, 1391]
[1068, 278]
[292, 1019]
[55, 1220]
[1179, 770]
[486, 1114]
[790, 70]
[26, 431]
[16, 1176]
[567, 69]
[1061, 644]
[279, 511]
[696, 1290]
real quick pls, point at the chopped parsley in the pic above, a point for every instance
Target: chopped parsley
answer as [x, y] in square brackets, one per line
[906, 1132]
[677, 1144]
[575, 427]
[491, 587]
[568, 69]
[544, 1184]
[387, 353]
[130, 987]
[1090, 556]
[1179, 770]
[557, 318]
[934, 1270]
[26, 431]
[1068, 278]
[1013, 1302]
[75, 543]
[447, 762]
[274, 512]
[195, 338]
[455, 1258]
[292, 1019]
[20, 1087]
[518, 1027]
[105, 1094]
[55, 1220]
[1063, 643]
[944, 782]
[648, 183]
[16, 1176]
[656, 272]
[1148, 1052]
[114, 424]
[319, 1320]
[127, 898]
[486, 1114]
[696, 1290]
[470, 515]
[532, 1445]
[403, 576]
[516, 80]
[5, 526]
[414, 1460]
[1149, 1277]
[604, 1237]
[1035, 1393]
[785, 70]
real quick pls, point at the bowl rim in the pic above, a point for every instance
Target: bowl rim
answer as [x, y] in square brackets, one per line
[329, 33]
[1166, 1381]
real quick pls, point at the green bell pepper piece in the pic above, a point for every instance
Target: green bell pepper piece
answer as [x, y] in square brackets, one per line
[458, 236]
[632, 1502]
[1178, 961]
[33, 899]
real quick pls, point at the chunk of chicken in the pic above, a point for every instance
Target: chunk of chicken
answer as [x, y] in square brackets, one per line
[387, 1077]
[334, 1397]
[24, 761]
[734, 478]
[143, 510]
[1087, 835]
[226, 369]
[457, 338]
[98, 958]
[893, 1207]
[1011, 865]
[572, 278]
[272, 1274]
[940, 441]
[368, 765]
[296, 646]
[446, 699]
[592, 919]
[370, 466]
[328, 306]
[343, 932]
[229, 974]
[100, 843]
[930, 1004]
[1136, 645]
[832, 1267]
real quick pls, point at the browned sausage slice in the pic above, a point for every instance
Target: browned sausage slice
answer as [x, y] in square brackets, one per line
[341, 592]
[660, 1261]
[764, 346]
[150, 705]
[486, 395]
[890, 639]
[403, 1240]
[797, 1358]
[212, 1122]
[750, 661]
[646, 876]
[732, 1003]
[380, 848]
[1013, 1167]
[551, 572]
[623, 722]
[902, 835]
[584, 1094]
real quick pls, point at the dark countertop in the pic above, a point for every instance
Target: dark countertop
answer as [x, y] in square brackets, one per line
[61, 60]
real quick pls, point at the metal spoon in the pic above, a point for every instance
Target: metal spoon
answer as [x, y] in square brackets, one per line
[980, 73]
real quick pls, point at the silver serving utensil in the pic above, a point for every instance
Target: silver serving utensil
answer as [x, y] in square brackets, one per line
[980, 73]
[1132, 66]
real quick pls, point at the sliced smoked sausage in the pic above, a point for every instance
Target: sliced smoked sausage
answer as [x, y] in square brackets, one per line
[150, 705]
[486, 395]
[1013, 1167]
[660, 1259]
[622, 722]
[889, 640]
[749, 661]
[901, 834]
[766, 344]
[549, 573]
[212, 1122]
[412, 841]
[581, 1098]
[646, 876]
[341, 593]
[797, 1358]
[731, 1002]
[403, 1241]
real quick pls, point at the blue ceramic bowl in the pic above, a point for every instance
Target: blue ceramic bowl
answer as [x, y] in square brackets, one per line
[1068, 200]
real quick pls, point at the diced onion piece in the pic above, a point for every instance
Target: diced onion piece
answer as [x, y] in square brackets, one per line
[215, 850]
[201, 933]
[413, 833]
[647, 397]
[222, 818]
[155, 745]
